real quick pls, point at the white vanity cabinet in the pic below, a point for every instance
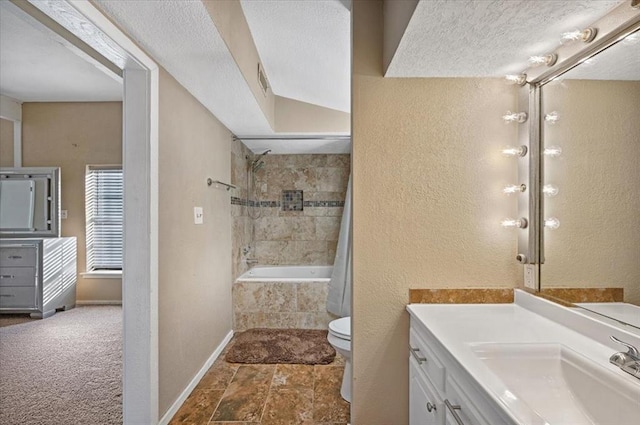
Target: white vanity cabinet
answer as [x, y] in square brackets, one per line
[441, 392]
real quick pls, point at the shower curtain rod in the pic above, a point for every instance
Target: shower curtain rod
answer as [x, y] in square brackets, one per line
[294, 138]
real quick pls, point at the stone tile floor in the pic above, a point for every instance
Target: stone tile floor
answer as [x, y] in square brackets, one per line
[266, 394]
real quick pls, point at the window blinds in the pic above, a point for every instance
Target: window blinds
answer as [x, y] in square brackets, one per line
[104, 217]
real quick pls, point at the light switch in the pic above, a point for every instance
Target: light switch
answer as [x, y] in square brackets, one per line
[63, 214]
[198, 215]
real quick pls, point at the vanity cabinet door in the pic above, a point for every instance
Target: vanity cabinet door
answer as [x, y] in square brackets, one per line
[425, 407]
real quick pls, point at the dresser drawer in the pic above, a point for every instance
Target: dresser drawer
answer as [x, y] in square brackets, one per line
[17, 297]
[18, 276]
[18, 256]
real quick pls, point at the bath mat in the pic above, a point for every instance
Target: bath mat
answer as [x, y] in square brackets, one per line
[291, 346]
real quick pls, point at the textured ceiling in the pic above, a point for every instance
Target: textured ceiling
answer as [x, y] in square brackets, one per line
[305, 48]
[619, 62]
[181, 36]
[486, 38]
[36, 68]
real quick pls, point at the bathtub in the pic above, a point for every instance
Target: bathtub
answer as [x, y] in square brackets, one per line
[282, 297]
[287, 274]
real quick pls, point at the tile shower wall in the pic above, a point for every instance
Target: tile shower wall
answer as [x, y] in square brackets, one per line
[287, 236]
[240, 220]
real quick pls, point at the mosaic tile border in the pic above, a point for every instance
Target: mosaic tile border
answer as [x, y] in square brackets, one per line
[277, 204]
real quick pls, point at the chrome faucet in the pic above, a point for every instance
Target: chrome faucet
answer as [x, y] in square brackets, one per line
[629, 362]
[251, 261]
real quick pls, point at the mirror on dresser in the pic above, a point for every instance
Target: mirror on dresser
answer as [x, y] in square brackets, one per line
[590, 125]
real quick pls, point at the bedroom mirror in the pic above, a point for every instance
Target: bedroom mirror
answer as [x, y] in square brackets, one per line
[590, 126]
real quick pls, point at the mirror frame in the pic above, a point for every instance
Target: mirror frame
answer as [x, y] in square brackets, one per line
[613, 27]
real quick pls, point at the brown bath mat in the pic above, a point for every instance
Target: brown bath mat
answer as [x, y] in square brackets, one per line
[294, 346]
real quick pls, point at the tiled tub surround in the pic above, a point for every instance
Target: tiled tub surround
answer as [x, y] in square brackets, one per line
[280, 303]
[307, 237]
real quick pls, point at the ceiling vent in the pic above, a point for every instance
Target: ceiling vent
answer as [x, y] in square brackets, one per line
[262, 79]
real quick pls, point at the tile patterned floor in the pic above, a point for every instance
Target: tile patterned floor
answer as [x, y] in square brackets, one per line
[260, 394]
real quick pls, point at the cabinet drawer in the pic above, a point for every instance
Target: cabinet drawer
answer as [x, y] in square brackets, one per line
[461, 404]
[17, 297]
[427, 360]
[18, 257]
[18, 276]
[425, 407]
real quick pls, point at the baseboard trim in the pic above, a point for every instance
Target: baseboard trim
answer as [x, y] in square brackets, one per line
[98, 302]
[183, 396]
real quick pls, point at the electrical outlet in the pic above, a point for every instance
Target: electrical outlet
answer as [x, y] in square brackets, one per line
[63, 214]
[530, 280]
[263, 189]
[198, 215]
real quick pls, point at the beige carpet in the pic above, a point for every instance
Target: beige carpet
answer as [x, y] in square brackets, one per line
[283, 346]
[66, 369]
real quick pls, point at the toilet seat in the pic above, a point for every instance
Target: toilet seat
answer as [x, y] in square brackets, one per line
[341, 328]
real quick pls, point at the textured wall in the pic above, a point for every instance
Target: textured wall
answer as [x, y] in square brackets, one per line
[598, 177]
[194, 293]
[6, 143]
[72, 136]
[427, 206]
[307, 237]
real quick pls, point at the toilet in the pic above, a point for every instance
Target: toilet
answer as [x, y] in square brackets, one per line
[340, 338]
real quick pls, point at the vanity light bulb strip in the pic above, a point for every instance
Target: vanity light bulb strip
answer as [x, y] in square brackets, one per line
[518, 117]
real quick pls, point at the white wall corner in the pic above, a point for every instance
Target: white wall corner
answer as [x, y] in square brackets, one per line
[166, 418]
[10, 108]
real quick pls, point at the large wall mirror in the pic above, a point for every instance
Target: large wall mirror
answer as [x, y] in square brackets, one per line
[590, 124]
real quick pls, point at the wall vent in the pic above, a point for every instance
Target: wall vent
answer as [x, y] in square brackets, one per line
[262, 79]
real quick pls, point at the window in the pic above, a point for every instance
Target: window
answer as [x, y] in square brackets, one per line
[104, 217]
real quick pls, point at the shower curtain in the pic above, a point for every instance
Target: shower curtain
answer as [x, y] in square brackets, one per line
[339, 299]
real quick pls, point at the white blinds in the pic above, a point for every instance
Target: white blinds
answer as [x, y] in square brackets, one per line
[104, 216]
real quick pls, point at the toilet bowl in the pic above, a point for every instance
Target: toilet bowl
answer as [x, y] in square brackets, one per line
[339, 337]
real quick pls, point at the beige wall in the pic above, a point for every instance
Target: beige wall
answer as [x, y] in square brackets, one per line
[194, 293]
[598, 177]
[427, 206]
[72, 136]
[6, 143]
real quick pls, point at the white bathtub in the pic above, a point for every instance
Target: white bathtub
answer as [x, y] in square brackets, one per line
[287, 274]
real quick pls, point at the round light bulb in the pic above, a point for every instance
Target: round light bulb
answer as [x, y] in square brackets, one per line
[552, 118]
[519, 79]
[514, 188]
[520, 223]
[550, 190]
[518, 117]
[514, 151]
[552, 151]
[551, 223]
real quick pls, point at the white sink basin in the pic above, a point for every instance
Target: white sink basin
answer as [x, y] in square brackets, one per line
[561, 386]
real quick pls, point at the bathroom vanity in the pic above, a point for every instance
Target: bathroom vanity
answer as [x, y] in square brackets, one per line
[532, 362]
